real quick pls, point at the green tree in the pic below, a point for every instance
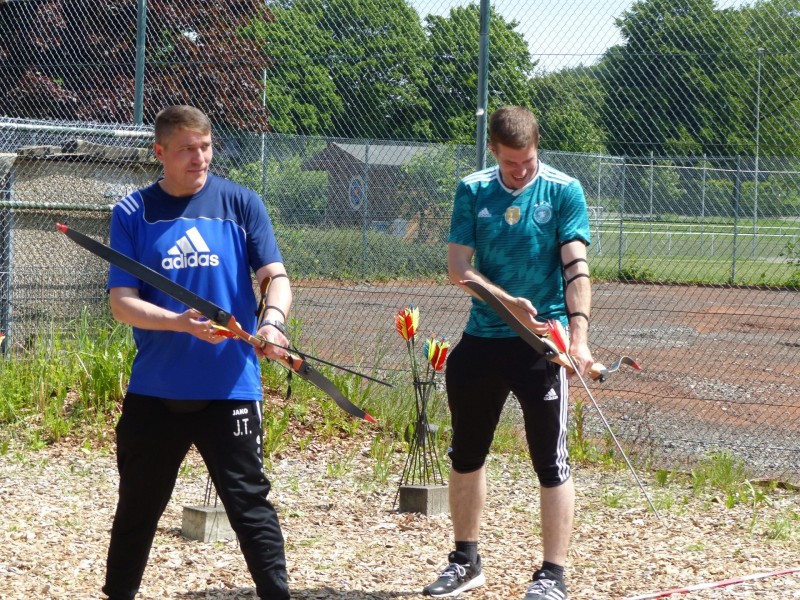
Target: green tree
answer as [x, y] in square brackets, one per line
[293, 196]
[299, 91]
[455, 41]
[657, 83]
[367, 67]
[772, 36]
[654, 190]
[428, 189]
[567, 107]
[694, 79]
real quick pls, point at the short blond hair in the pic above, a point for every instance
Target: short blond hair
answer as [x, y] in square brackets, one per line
[180, 116]
[514, 127]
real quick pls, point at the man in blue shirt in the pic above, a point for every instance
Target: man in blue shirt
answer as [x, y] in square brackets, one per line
[521, 228]
[188, 385]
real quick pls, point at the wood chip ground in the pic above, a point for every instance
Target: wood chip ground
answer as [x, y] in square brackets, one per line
[345, 539]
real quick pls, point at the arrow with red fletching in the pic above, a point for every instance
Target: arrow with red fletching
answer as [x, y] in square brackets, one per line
[555, 347]
[713, 584]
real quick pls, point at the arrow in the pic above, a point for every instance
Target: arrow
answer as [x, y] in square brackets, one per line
[213, 313]
[555, 349]
[545, 346]
[713, 584]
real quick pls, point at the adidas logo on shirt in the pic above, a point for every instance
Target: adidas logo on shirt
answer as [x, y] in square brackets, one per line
[190, 250]
[484, 214]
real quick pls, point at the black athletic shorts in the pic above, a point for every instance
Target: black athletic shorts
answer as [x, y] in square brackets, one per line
[480, 374]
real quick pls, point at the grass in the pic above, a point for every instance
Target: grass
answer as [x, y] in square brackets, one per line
[697, 271]
[337, 253]
[685, 252]
[782, 527]
[723, 472]
[63, 382]
[71, 385]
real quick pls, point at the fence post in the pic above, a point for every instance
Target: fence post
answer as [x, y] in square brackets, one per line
[264, 140]
[737, 191]
[703, 207]
[141, 28]
[365, 212]
[6, 240]
[621, 218]
[650, 203]
[599, 245]
[758, 152]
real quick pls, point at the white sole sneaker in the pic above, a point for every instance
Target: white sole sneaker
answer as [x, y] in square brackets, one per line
[476, 581]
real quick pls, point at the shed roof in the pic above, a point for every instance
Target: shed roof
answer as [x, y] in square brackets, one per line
[390, 155]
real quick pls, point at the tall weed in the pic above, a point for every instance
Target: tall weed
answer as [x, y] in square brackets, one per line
[62, 380]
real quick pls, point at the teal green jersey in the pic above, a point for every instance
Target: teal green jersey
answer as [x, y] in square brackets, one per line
[517, 237]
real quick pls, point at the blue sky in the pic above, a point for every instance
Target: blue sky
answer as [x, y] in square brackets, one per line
[560, 33]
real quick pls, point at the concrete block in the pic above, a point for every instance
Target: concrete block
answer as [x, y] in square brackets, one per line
[206, 524]
[424, 499]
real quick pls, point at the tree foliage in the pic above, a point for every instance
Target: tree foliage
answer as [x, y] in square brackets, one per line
[427, 189]
[661, 84]
[567, 107]
[455, 43]
[364, 60]
[76, 60]
[293, 196]
[687, 78]
[299, 90]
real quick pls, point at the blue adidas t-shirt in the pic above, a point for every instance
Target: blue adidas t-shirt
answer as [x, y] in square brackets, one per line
[517, 236]
[210, 243]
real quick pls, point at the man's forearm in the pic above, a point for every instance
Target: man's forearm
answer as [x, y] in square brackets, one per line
[579, 307]
[128, 308]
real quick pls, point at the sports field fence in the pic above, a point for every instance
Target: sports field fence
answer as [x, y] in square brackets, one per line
[354, 121]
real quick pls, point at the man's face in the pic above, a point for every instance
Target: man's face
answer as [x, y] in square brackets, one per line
[517, 166]
[186, 156]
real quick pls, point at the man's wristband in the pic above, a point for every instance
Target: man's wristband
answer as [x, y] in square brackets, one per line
[275, 323]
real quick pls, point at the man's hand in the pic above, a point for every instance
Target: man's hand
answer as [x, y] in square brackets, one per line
[194, 323]
[270, 351]
[581, 356]
[526, 313]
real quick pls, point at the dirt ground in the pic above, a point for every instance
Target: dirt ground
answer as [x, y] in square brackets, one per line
[721, 366]
[721, 370]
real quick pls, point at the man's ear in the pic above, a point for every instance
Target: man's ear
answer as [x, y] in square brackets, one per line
[158, 150]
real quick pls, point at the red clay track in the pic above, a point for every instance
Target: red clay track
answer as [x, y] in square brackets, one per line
[721, 365]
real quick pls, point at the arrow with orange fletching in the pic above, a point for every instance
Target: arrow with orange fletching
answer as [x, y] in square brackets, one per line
[296, 363]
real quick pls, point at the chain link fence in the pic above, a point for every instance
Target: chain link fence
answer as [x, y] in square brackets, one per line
[355, 120]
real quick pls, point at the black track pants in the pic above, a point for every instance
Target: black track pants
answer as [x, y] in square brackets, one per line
[151, 445]
[481, 372]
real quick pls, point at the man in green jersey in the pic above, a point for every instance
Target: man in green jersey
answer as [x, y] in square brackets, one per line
[521, 228]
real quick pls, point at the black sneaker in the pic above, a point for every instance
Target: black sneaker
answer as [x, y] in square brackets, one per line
[545, 586]
[459, 576]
